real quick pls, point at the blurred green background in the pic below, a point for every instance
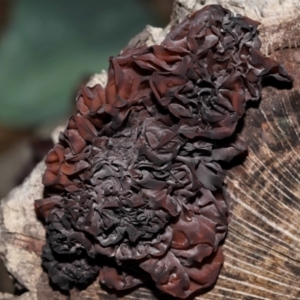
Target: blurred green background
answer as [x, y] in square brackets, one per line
[48, 46]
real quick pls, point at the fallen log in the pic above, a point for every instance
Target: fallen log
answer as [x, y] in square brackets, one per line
[262, 257]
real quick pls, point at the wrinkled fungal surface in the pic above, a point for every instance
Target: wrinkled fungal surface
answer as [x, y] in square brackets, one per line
[135, 188]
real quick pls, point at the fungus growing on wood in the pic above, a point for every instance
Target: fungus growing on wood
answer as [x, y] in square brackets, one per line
[135, 187]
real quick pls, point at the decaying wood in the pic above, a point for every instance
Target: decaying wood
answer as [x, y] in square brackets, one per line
[263, 245]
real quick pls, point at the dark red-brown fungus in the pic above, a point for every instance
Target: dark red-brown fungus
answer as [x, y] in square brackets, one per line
[134, 185]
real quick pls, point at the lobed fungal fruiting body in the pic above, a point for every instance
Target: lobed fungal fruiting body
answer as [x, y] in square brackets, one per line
[135, 189]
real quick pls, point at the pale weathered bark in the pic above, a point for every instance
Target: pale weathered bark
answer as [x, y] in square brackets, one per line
[262, 250]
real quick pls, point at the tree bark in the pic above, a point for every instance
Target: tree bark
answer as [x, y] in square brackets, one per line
[262, 249]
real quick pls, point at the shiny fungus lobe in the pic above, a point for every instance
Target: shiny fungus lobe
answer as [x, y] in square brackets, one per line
[135, 185]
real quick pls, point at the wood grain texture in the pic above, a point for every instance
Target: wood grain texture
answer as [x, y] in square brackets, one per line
[262, 249]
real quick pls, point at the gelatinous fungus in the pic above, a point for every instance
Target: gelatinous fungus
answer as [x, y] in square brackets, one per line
[134, 185]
